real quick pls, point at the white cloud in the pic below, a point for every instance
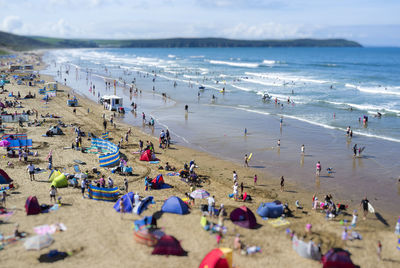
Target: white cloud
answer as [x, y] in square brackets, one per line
[12, 24]
[61, 28]
[267, 30]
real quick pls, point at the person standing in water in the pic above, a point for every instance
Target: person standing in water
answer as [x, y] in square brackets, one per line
[303, 149]
[318, 168]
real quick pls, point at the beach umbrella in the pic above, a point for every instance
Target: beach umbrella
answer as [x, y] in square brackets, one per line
[199, 194]
[4, 143]
[38, 242]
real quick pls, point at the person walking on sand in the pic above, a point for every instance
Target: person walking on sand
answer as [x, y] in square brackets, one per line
[126, 184]
[235, 177]
[53, 192]
[364, 203]
[318, 168]
[246, 161]
[282, 184]
[379, 251]
[3, 198]
[31, 170]
[255, 180]
[121, 207]
[83, 186]
[105, 124]
[211, 205]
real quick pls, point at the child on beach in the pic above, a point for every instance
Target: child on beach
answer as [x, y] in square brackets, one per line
[53, 192]
[31, 170]
[255, 180]
[282, 184]
[379, 251]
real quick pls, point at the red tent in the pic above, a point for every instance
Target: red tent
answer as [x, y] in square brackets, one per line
[217, 258]
[243, 217]
[157, 182]
[32, 206]
[146, 156]
[337, 257]
[168, 245]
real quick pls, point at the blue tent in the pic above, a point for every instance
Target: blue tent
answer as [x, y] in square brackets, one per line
[270, 210]
[175, 205]
[146, 222]
[128, 203]
[143, 205]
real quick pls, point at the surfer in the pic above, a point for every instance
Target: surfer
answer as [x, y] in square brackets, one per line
[364, 203]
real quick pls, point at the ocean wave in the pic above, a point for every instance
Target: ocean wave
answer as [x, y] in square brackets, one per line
[283, 77]
[235, 64]
[365, 107]
[387, 90]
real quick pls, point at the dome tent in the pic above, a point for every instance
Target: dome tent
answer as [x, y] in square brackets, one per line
[175, 205]
[270, 210]
[243, 217]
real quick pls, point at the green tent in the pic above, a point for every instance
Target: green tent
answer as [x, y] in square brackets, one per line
[60, 181]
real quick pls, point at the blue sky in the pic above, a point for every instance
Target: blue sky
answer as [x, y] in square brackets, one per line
[370, 22]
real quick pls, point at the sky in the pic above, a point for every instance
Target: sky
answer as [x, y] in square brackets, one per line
[370, 22]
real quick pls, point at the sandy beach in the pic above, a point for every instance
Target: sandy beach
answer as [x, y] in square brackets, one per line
[97, 236]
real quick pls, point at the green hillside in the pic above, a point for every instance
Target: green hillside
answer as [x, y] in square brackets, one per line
[17, 42]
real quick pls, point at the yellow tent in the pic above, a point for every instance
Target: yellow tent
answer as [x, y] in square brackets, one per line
[54, 173]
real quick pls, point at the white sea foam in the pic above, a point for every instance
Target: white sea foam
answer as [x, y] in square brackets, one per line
[387, 90]
[235, 64]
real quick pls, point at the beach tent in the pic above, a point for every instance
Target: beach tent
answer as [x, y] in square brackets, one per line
[306, 250]
[168, 245]
[217, 258]
[103, 194]
[175, 205]
[145, 223]
[142, 206]
[147, 156]
[157, 182]
[243, 217]
[337, 257]
[4, 178]
[127, 201]
[54, 174]
[145, 237]
[60, 181]
[32, 206]
[270, 210]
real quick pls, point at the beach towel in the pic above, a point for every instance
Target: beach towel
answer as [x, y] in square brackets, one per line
[173, 174]
[278, 222]
[50, 229]
[154, 162]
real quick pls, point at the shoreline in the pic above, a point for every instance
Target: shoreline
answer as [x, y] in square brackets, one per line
[89, 233]
[352, 179]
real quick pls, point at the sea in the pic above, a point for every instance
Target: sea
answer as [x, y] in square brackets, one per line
[314, 95]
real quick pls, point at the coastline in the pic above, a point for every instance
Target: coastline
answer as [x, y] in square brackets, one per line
[352, 177]
[276, 247]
